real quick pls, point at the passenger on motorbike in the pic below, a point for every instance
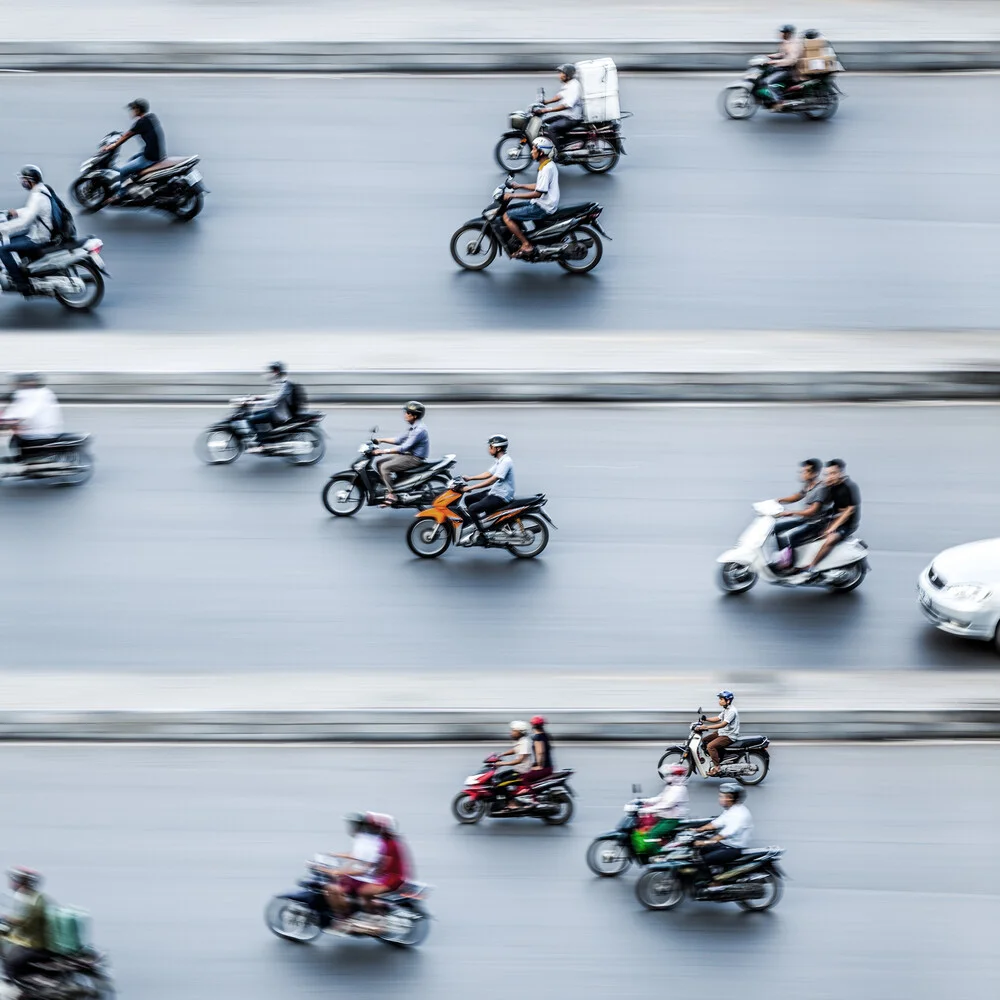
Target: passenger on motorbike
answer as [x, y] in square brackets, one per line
[28, 228]
[843, 508]
[410, 451]
[33, 413]
[783, 63]
[499, 479]
[669, 808]
[732, 828]
[568, 105]
[275, 408]
[726, 727]
[539, 199]
[27, 939]
[808, 520]
[520, 762]
[146, 127]
[542, 764]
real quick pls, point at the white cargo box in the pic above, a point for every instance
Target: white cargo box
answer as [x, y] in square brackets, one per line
[599, 80]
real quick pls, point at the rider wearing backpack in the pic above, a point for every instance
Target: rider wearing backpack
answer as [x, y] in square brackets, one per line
[27, 938]
[30, 227]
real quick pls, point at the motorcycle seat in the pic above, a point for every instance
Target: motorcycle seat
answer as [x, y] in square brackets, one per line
[170, 163]
[748, 743]
[66, 439]
[524, 501]
[749, 853]
[564, 213]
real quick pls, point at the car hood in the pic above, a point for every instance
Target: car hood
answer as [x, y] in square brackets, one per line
[974, 562]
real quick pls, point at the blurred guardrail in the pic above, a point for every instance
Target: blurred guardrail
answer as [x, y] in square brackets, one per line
[418, 56]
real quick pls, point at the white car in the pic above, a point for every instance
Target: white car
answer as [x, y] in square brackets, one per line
[960, 590]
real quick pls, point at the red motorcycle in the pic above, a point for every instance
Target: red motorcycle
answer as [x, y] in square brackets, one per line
[496, 790]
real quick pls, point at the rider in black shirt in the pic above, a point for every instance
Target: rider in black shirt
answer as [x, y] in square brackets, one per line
[844, 509]
[147, 128]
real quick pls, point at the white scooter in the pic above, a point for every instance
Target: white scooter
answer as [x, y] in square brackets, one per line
[843, 569]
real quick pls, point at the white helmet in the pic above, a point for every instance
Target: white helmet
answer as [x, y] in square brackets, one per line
[543, 145]
[518, 726]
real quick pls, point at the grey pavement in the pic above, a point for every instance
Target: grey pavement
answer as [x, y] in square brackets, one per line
[163, 565]
[476, 20]
[333, 202]
[175, 851]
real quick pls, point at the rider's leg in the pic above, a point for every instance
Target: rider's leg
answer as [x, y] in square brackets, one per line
[828, 543]
[522, 210]
[714, 747]
[13, 266]
[483, 507]
[395, 465]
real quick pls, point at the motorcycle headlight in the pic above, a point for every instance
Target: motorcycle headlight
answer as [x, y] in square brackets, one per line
[968, 593]
[498, 194]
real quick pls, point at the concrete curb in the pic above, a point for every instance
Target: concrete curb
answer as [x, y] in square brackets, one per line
[464, 56]
[460, 725]
[565, 386]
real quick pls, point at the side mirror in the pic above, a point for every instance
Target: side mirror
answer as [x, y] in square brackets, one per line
[375, 431]
[636, 789]
[699, 709]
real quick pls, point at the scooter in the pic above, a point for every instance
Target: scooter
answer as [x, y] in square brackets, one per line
[746, 759]
[843, 569]
[493, 792]
[62, 460]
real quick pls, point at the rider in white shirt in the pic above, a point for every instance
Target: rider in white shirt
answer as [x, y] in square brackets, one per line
[566, 107]
[33, 413]
[27, 228]
[732, 829]
[539, 200]
[669, 808]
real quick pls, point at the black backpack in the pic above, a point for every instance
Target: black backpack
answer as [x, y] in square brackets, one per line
[298, 401]
[63, 228]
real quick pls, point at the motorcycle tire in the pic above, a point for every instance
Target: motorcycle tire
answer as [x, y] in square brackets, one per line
[84, 471]
[90, 300]
[824, 112]
[186, 210]
[89, 193]
[427, 538]
[735, 578]
[852, 584]
[216, 455]
[659, 890]
[565, 813]
[468, 810]
[318, 448]
[588, 263]
[763, 763]
[669, 759]
[473, 235]
[420, 927]
[352, 504]
[738, 103]
[770, 900]
[537, 527]
[612, 867]
[508, 164]
[603, 164]
[274, 917]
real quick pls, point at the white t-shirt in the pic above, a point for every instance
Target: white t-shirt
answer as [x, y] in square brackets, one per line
[735, 825]
[366, 847]
[731, 718]
[671, 803]
[503, 469]
[37, 411]
[523, 746]
[547, 183]
[572, 96]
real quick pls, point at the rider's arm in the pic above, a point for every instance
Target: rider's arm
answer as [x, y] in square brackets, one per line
[839, 520]
[794, 498]
[114, 145]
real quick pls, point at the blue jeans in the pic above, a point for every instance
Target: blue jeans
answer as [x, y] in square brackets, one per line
[10, 262]
[133, 166]
[523, 209]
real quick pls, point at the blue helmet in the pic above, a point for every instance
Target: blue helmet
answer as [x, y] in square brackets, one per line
[726, 695]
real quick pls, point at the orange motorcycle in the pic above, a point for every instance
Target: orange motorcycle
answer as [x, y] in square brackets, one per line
[519, 527]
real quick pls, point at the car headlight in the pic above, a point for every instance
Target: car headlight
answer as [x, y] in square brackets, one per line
[970, 593]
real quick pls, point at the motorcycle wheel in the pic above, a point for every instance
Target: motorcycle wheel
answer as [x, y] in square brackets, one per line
[852, 582]
[93, 288]
[736, 578]
[513, 154]
[594, 254]
[775, 890]
[608, 858]
[291, 920]
[534, 526]
[89, 193]
[186, 210]
[428, 539]
[761, 763]
[565, 812]
[414, 933]
[670, 759]
[738, 103]
[84, 471]
[312, 457]
[604, 159]
[473, 249]
[94, 987]
[823, 112]
[659, 890]
[466, 809]
[345, 485]
[218, 447]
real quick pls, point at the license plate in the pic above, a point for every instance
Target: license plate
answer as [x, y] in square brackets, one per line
[193, 177]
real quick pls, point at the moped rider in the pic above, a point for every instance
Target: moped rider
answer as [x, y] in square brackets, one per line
[731, 829]
[28, 228]
[669, 808]
[783, 63]
[538, 200]
[726, 728]
[565, 110]
[498, 481]
[542, 763]
[145, 126]
[798, 526]
[843, 507]
[33, 413]
[27, 937]
[409, 451]
[275, 408]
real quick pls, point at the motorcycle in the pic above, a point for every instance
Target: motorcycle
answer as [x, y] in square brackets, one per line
[566, 237]
[172, 185]
[85, 975]
[298, 441]
[816, 97]
[519, 527]
[595, 146]
[843, 569]
[63, 460]
[302, 915]
[746, 759]
[753, 881]
[491, 792]
[612, 853]
[348, 491]
[72, 272]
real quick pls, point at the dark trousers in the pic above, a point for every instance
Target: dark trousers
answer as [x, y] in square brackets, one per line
[481, 508]
[11, 264]
[797, 531]
[557, 126]
[261, 421]
[720, 855]
[777, 81]
[18, 961]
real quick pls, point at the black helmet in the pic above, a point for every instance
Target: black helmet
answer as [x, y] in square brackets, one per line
[731, 788]
[24, 876]
[567, 69]
[278, 368]
[140, 104]
[28, 378]
[811, 33]
[498, 441]
[787, 29]
[355, 819]
[416, 408]
[30, 172]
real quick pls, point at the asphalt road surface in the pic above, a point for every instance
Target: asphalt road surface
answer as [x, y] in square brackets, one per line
[891, 850]
[333, 201]
[161, 562]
